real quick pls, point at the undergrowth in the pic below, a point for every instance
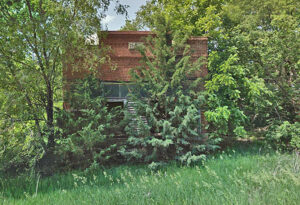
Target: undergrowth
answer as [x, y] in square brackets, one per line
[252, 176]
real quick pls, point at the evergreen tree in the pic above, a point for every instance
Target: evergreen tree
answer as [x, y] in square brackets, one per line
[88, 126]
[165, 124]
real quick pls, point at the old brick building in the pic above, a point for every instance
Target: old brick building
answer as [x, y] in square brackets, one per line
[125, 57]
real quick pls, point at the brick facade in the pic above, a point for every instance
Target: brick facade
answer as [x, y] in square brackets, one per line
[124, 58]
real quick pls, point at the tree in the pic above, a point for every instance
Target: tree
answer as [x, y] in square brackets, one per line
[266, 35]
[35, 37]
[88, 130]
[253, 66]
[167, 101]
[199, 18]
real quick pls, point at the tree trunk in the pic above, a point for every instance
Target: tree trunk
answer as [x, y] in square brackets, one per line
[49, 110]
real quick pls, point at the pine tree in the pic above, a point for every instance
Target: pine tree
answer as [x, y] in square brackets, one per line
[165, 124]
[89, 126]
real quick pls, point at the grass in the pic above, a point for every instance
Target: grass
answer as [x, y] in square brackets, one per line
[232, 177]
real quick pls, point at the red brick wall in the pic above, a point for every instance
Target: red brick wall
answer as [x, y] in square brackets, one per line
[124, 59]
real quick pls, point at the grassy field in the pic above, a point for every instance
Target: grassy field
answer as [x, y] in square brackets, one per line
[232, 177]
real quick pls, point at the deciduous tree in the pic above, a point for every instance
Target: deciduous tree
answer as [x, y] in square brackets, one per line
[35, 36]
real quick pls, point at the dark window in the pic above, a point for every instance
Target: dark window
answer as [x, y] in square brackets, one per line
[123, 89]
[116, 90]
[111, 90]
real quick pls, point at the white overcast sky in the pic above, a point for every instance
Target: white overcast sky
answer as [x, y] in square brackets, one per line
[114, 22]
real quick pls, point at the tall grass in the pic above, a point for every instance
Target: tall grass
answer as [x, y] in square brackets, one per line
[229, 178]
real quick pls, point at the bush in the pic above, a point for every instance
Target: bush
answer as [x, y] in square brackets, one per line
[285, 136]
[88, 126]
[20, 147]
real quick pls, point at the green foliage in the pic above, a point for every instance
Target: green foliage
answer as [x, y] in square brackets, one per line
[195, 17]
[34, 43]
[267, 43]
[20, 148]
[231, 90]
[253, 79]
[166, 122]
[285, 136]
[253, 62]
[88, 126]
[37, 39]
[254, 72]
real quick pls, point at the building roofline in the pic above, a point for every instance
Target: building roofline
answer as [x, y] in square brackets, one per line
[128, 32]
[147, 33]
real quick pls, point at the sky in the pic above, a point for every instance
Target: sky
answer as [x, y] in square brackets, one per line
[115, 22]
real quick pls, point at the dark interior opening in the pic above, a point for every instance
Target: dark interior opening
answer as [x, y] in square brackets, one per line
[111, 105]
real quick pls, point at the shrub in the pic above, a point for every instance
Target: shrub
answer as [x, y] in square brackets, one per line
[88, 127]
[20, 147]
[285, 136]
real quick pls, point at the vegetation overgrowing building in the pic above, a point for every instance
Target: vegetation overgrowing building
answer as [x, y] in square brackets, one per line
[124, 56]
